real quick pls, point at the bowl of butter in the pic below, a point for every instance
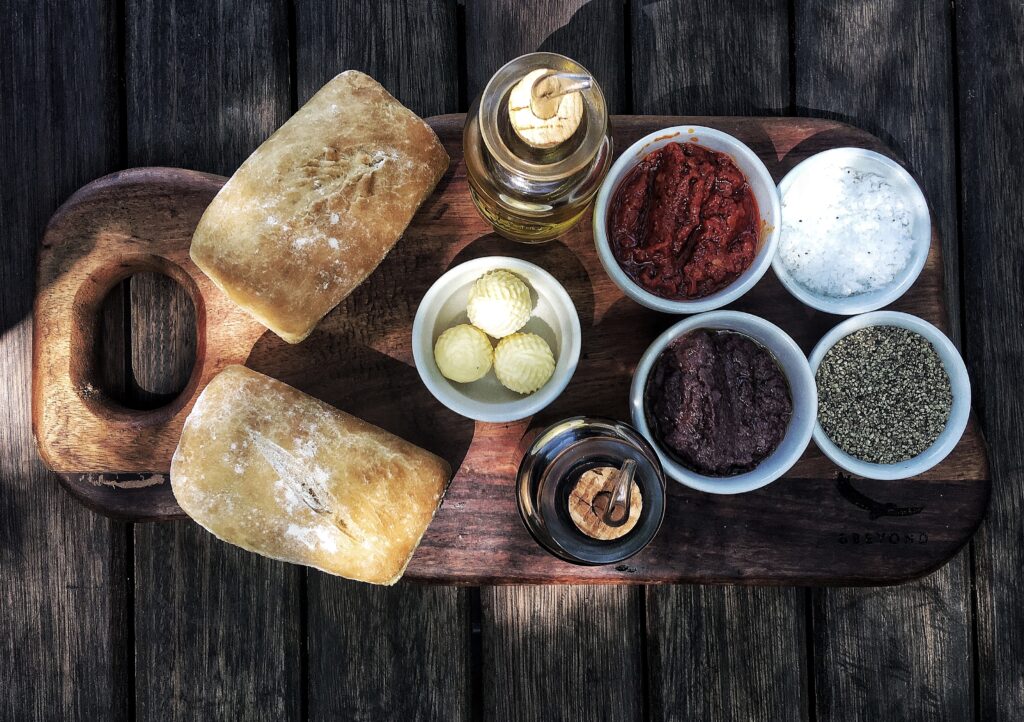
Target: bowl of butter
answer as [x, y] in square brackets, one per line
[496, 339]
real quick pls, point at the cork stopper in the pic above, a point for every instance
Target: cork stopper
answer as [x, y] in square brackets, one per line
[546, 107]
[590, 499]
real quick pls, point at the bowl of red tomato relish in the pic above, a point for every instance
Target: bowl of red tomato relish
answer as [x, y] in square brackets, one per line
[687, 220]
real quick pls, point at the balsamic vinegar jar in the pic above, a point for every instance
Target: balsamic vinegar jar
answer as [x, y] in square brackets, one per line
[526, 193]
[551, 470]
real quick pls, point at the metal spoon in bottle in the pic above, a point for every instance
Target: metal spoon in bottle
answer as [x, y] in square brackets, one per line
[549, 87]
[546, 107]
[617, 512]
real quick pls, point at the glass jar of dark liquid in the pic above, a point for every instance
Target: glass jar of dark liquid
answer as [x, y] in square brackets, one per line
[551, 469]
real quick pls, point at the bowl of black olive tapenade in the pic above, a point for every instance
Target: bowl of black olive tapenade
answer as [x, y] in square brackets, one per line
[727, 399]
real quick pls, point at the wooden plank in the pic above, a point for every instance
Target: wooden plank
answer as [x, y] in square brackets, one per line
[687, 59]
[404, 651]
[901, 653]
[548, 650]
[411, 48]
[991, 139]
[217, 629]
[163, 339]
[700, 58]
[387, 653]
[588, 31]
[555, 653]
[112, 362]
[63, 640]
[720, 653]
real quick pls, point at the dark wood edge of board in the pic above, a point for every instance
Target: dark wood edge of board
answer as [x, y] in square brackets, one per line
[146, 497]
[126, 497]
[151, 501]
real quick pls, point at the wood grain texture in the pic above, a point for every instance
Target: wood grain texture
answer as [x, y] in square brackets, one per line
[217, 630]
[206, 82]
[477, 536]
[899, 653]
[702, 57]
[64, 618]
[135, 220]
[991, 137]
[562, 653]
[410, 48]
[903, 653]
[401, 652]
[727, 653]
[588, 31]
[708, 58]
[113, 362]
[217, 633]
[387, 653]
[162, 339]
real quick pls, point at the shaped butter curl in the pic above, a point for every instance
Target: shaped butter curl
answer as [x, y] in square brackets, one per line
[523, 362]
[499, 303]
[463, 353]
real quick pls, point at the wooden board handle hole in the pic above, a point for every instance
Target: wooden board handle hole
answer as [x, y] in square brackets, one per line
[136, 343]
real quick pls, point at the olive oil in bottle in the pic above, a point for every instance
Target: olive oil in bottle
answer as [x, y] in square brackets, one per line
[537, 146]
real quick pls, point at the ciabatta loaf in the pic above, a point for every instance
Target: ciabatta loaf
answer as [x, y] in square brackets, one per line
[311, 213]
[275, 471]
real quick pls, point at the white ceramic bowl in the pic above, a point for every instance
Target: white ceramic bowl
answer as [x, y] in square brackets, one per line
[761, 184]
[959, 382]
[894, 173]
[801, 386]
[554, 319]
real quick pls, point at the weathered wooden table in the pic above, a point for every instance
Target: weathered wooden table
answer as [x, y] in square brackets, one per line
[102, 620]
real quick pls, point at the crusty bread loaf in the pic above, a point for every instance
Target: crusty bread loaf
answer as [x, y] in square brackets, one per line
[275, 471]
[311, 213]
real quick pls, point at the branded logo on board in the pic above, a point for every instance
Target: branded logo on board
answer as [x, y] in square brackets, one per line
[875, 509]
[883, 537]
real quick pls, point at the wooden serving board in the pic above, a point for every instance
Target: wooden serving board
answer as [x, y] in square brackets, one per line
[815, 526]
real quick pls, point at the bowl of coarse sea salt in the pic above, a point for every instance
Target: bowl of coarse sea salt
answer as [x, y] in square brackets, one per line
[855, 231]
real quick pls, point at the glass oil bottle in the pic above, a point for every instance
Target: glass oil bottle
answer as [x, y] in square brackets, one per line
[528, 193]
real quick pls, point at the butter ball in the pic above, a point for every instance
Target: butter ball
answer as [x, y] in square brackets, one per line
[463, 353]
[523, 362]
[499, 303]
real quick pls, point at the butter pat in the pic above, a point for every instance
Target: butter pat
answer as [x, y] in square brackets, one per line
[463, 353]
[523, 362]
[499, 303]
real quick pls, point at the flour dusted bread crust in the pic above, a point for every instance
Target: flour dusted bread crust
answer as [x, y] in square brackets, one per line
[311, 213]
[275, 471]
